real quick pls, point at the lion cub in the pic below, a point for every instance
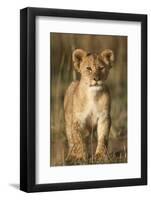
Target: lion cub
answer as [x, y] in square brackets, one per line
[87, 104]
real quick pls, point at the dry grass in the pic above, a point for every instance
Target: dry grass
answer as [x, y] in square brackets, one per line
[62, 74]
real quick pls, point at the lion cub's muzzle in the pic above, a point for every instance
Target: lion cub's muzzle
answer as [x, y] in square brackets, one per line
[96, 83]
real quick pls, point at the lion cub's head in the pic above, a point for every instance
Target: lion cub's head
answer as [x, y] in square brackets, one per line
[94, 68]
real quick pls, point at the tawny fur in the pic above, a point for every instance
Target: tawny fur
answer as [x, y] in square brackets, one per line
[87, 104]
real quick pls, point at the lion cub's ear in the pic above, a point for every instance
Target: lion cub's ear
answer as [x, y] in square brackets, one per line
[77, 56]
[107, 56]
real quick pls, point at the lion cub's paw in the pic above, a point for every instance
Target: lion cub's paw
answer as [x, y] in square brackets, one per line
[101, 156]
[76, 156]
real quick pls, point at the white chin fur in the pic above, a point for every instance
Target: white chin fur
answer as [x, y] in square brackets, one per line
[96, 88]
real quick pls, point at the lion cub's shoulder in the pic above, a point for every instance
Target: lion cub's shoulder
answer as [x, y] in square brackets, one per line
[70, 91]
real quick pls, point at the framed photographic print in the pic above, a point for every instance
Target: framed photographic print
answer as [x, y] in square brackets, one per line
[83, 99]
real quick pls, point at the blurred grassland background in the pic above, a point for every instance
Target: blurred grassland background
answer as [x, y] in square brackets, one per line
[62, 74]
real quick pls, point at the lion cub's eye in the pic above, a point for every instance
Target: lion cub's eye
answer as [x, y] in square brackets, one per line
[102, 67]
[89, 68]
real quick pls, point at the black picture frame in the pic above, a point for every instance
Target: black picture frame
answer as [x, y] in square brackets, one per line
[28, 98]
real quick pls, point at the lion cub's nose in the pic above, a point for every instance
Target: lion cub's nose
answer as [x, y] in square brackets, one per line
[96, 79]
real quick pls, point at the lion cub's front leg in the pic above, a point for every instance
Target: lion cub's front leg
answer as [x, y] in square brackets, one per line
[103, 128]
[77, 149]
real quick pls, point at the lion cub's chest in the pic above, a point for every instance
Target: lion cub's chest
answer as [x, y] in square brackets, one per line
[91, 111]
